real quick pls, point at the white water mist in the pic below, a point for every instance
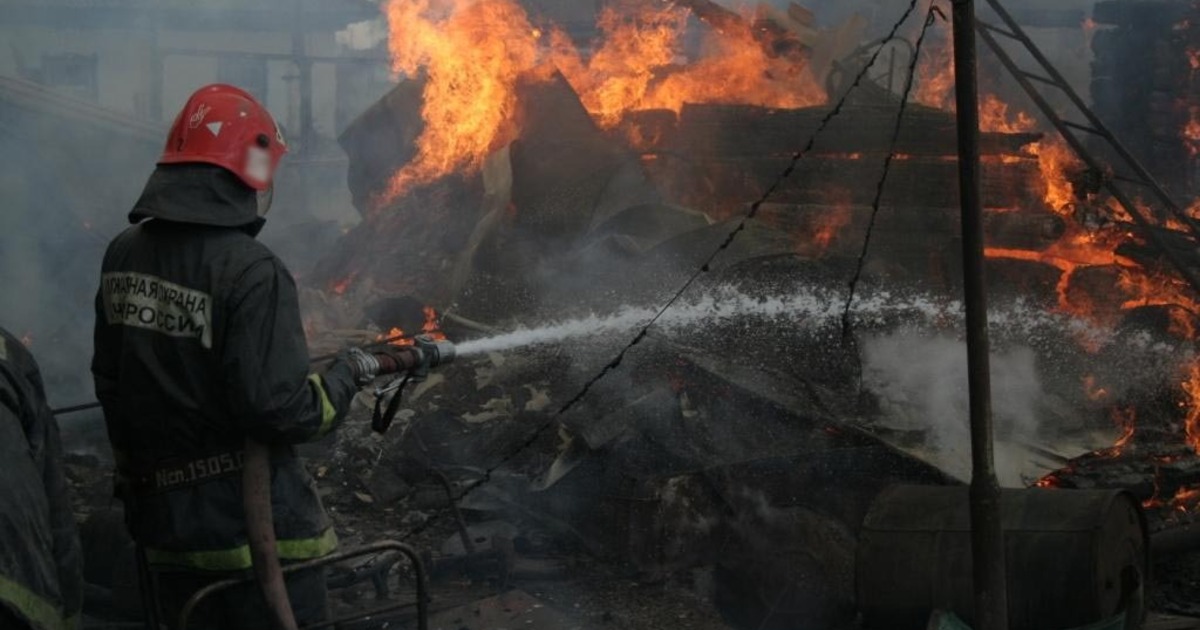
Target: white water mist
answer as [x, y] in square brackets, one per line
[805, 308]
[913, 357]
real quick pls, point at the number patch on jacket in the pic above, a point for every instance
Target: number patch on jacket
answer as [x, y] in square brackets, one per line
[196, 471]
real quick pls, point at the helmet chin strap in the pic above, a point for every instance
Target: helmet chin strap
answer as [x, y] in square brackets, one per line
[265, 197]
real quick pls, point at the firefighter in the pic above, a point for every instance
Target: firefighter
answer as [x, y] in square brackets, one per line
[41, 571]
[199, 345]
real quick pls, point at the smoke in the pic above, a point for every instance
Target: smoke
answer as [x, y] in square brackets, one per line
[921, 385]
[922, 382]
[62, 204]
[85, 103]
[363, 35]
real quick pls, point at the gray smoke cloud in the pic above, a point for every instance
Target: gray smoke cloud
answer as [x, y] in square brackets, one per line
[86, 96]
[921, 383]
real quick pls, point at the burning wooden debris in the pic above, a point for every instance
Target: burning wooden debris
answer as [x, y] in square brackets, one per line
[567, 172]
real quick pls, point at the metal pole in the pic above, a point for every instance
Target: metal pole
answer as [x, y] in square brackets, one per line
[304, 69]
[987, 534]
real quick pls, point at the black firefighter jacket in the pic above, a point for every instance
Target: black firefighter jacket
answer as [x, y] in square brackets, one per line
[41, 572]
[199, 344]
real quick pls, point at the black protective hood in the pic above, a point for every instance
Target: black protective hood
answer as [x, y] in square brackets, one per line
[202, 194]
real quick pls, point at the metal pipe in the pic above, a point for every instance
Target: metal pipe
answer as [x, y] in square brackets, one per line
[304, 70]
[463, 532]
[987, 539]
[375, 548]
[1143, 223]
[1098, 125]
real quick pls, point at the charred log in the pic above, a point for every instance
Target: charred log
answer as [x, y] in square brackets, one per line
[740, 131]
[382, 140]
[715, 185]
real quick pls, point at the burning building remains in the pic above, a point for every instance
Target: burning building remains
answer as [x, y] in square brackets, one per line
[556, 177]
[702, 264]
[519, 175]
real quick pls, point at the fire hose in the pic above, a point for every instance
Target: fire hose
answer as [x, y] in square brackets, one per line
[62, 411]
[414, 363]
[260, 531]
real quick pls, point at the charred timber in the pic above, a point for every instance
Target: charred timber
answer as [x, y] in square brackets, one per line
[1182, 245]
[914, 183]
[897, 229]
[737, 130]
[382, 140]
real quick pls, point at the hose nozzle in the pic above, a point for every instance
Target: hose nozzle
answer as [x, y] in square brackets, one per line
[436, 351]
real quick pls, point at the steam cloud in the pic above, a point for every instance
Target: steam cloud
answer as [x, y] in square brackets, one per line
[921, 383]
[68, 179]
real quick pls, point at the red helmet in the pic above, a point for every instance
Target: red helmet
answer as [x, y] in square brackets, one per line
[223, 125]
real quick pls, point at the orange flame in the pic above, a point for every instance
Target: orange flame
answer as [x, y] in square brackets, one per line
[736, 69]
[1093, 392]
[935, 76]
[1075, 250]
[1191, 131]
[1126, 419]
[1186, 499]
[1049, 481]
[1159, 290]
[397, 337]
[432, 327]
[1154, 501]
[619, 74]
[832, 226]
[1054, 160]
[339, 287]
[1079, 248]
[935, 88]
[632, 69]
[473, 54]
[1191, 390]
[994, 115]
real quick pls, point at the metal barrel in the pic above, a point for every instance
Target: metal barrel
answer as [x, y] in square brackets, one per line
[1073, 557]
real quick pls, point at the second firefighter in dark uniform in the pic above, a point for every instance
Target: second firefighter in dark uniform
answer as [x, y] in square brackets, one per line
[41, 564]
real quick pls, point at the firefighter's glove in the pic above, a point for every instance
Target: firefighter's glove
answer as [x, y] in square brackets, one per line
[365, 367]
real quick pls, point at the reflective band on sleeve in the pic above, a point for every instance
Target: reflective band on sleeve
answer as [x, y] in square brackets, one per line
[328, 412]
[238, 558]
[36, 609]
